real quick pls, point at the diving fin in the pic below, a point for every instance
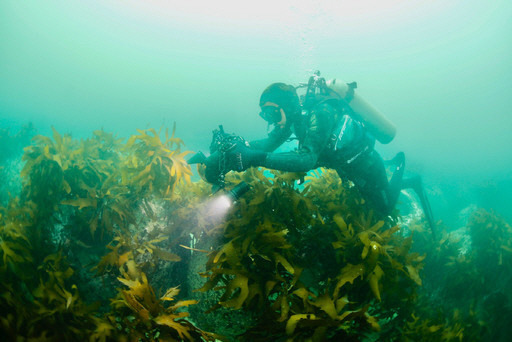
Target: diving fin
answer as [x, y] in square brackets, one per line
[416, 184]
[398, 174]
[397, 183]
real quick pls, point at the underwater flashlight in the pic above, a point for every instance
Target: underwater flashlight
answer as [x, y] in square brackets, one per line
[226, 199]
[238, 191]
[218, 206]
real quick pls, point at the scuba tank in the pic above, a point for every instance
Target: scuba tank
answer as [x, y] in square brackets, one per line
[377, 124]
[318, 89]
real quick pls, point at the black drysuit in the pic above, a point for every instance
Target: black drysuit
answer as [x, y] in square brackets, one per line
[329, 138]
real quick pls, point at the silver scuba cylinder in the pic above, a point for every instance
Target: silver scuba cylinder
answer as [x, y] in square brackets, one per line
[377, 124]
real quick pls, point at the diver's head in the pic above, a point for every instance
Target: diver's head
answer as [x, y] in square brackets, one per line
[280, 104]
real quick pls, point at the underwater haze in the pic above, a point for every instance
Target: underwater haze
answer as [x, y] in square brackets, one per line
[440, 70]
[108, 234]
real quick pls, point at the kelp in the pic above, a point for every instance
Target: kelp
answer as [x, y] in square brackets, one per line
[491, 238]
[264, 264]
[465, 281]
[14, 243]
[154, 166]
[308, 262]
[426, 330]
[50, 311]
[125, 249]
[80, 187]
[163, 314]
[101, 177]
[190, 208]
[64, 171]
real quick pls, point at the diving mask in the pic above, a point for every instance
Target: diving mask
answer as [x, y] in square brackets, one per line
[271, 114]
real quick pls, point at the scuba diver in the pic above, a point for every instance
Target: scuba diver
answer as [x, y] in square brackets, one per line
[330, 134]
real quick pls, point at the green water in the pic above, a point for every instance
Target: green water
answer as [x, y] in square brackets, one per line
[440, 70]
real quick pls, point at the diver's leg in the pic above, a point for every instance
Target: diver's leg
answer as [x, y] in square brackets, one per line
[416, 184]
[384, 194]
[395, 184]
[369, 176]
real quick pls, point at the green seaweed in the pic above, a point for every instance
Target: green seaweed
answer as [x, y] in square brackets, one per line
[264, 266]
[308, 262]
[152, 313]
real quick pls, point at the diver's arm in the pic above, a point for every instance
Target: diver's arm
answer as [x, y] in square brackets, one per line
[291, 161]
[275, 139]
[320, 125]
